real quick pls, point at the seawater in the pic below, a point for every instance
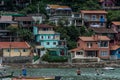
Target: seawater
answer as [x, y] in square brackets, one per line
[70, 73]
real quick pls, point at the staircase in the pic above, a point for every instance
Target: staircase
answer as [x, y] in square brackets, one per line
[36, 59]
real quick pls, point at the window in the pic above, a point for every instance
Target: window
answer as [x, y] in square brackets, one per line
[104, 53]
[89, 45]
[48, 43]
[45, 29]
[79, 53]
[48, 37]
[93, 17]
[103, 44]
[54, 43]
[41, 37]
[8, 50]
[78, 44]
[25, 50]
[16, 50]
[101, 16]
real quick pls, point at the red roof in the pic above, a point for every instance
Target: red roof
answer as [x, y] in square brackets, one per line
[14, 45]
[116, 23]
[75, 49]
[94, 11]
[27, 18]
[114, 47]
[57, 6]
[95, 38]
[44, 26]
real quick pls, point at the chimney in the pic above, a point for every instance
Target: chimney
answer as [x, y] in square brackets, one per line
[95, 37]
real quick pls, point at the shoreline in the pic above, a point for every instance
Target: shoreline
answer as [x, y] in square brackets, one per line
[65, 65]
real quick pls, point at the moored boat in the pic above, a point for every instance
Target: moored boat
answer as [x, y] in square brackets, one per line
[33, 78]
[109, 68]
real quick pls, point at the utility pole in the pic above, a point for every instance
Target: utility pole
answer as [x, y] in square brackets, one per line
[30, 1]
[38, 7]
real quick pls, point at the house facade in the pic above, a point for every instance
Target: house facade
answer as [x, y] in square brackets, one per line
[5, 22]
[76, 19]
[109, 32]
[59, 14]
[94, 47]
[115, 52]
[94, 18]
[47, 38]
[116, 27]
[107, 3]
[25, 22]
[13, 49]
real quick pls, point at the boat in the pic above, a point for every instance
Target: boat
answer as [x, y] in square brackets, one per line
[2, 75]
[109, 68]
[1, 65]
[33, 78]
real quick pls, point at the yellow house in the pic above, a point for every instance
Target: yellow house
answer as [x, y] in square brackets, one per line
[12, 49]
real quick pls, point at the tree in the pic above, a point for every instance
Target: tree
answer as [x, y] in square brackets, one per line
[25, 35]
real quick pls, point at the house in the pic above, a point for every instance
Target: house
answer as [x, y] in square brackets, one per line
[116, 27]
[115, 52]
[93, 18]
[107, 3]
[13, 49]
[5, 22]
[59, 14]
[91, 48]
[58, 10]
[25, 22]
[109, 32]
[76, 19]
[47, 38]
[38, 18]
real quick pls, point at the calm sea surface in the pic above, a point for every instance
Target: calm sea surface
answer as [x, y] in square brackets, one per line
[70, 73]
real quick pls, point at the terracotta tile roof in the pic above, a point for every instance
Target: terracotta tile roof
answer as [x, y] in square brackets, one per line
[94, 38]
[57, 6]
[89, 49]
[103, 30]
[100, 0]
[114, 47]
[94, 11]
[116, 23]
[44, 26]
[28, 18]
[14, 45]
[75, 49]
[5, 18]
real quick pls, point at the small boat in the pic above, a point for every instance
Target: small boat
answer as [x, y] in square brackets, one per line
[109, 68]
[33, 78]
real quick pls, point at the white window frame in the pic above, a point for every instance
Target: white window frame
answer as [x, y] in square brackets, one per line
[89, 44]
[104, 53]
[94, 17]
[25, 50]
[16, 50]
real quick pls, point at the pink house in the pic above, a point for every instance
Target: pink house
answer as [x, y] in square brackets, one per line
[107, 3]
[91, 47]
[116, 27]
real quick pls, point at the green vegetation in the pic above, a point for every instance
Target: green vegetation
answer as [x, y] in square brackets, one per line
[76, 5]
[50, 58]
[72, 33]
[23, 34]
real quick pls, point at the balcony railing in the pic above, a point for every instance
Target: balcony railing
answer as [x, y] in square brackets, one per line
[89, 19]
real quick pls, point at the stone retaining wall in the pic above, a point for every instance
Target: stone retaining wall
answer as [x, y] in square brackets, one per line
[66, 65]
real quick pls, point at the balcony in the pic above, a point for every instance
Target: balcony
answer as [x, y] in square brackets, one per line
[97, 20]
[46, 32]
